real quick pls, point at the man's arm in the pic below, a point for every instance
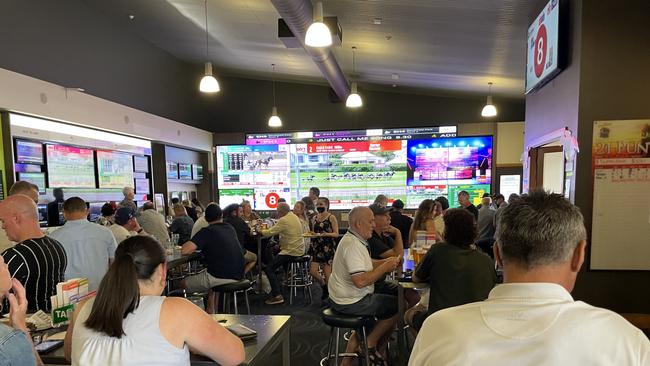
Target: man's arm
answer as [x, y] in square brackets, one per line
[364, 279]
[188, 248]
[398, 247]
[275, 229]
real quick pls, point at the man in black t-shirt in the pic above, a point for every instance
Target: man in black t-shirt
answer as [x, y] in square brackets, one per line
[37, 261]
[55, 208]
[220, 248]
[401, 221]
[463, 199]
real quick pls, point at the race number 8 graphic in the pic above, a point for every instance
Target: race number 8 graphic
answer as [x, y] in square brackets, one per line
[540, 50]
[271, 200]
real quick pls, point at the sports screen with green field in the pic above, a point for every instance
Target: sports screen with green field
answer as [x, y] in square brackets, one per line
[352, 167]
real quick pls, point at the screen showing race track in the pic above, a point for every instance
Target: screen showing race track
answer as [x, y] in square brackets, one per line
[352, 168]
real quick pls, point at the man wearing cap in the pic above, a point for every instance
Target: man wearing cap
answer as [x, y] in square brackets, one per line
[220, 248]
[125, 224]
[400, 221]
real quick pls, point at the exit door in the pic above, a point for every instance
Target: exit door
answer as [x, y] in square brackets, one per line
[547, 169]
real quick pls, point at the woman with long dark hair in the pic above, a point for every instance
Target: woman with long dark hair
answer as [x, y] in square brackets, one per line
[129, 323]
[424, 220]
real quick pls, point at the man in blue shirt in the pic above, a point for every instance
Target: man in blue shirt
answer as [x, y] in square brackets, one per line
[90, 247]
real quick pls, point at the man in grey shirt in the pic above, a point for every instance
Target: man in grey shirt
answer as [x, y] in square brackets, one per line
[153, 222]
[90, 247]
[182, 224]
[485, 220]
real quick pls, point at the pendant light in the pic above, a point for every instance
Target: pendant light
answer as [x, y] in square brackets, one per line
[489, 110]
[274, 120]
[354, 99]
[209, 83]
[318, 34]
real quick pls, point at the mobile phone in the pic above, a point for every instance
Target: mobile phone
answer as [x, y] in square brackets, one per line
[48, 346]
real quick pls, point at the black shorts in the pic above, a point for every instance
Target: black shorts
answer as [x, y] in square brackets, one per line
[379, 305]
[386, 287]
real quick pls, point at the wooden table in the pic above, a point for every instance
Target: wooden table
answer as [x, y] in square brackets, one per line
[175, 260]
[272, 331]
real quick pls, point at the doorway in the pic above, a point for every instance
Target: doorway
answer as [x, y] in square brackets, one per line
[547, 168]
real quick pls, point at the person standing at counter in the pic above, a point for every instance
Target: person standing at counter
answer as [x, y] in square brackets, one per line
[37, 261]
[129, 196]
[55, 208]
[90, 247]
[291, 245]
[129, 323]
[323, 246]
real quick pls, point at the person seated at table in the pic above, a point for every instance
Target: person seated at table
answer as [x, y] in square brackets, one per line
[107, 217]
[201, 222]
[457, 272]
[231, 216]
[322, 247]
[299, 210]
[182, 224]
[37, 261]
[129, 323]
[386, 242]
[351, 285]
[221, 251]
[16, 347]
[153, 222]
[90, 247]
[248, 214]
[125, 224]
[425, 220]
[532, 319]
[292, 245]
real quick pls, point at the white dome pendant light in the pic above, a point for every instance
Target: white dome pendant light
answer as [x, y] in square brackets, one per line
[318, 34]
[209, 83]
[354, 99]
[274, 120]
[489, 110]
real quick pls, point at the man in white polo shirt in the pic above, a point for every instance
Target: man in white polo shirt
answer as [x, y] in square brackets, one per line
[532, 319]
[351, 285]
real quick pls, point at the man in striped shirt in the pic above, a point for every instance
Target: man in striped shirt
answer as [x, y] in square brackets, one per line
[37, 261]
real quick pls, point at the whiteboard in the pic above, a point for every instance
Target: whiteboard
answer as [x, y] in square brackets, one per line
[621, 203]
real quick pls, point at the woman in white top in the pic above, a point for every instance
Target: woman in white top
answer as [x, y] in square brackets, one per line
[129, 323]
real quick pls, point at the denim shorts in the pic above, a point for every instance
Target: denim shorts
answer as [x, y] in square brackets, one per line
[379, 305]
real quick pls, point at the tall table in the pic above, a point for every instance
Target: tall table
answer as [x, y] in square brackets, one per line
[403, 284]
[272, 330]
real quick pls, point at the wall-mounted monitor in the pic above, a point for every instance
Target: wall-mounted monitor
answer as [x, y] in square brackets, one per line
[29, 152]
[197, 172]
[142, 186]
[140, 164]
[27, 168]
[184, 171]
[35, 178]
[94, 210]
[172, 170]
[70, 167]
[115, 169]
[546, 48]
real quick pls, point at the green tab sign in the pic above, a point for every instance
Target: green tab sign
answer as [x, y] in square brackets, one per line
[62, 314]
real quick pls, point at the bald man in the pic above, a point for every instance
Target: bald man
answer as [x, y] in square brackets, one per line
[292, 245]
[37, 261]
[20, 187]
[351, 285]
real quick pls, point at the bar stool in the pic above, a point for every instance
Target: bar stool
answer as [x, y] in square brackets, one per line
[337, 321]
[298, 277]
[234, 288]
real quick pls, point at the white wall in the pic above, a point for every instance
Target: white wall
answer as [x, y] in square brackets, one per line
[24, 94]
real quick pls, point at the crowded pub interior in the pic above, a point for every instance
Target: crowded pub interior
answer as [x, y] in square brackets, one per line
[337, 182]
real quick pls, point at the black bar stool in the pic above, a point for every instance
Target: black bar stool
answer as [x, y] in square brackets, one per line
[234, 288]
[337, 321]
[298, 277]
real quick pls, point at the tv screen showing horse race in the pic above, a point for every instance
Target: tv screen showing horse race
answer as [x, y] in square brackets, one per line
[352, 167]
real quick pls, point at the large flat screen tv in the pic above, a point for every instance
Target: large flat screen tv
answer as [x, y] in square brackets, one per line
[70, 167]
[29, 152]
[141, 164]
[546, 48]
[115, 169]
[34, 178]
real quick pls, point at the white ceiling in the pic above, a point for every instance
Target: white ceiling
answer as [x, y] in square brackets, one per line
[434, 45]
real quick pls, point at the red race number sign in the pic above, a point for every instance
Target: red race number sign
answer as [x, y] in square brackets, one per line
[541, 42]
[271, 200]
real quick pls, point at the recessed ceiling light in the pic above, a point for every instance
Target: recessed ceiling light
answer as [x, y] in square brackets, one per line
[131, 17]
[377, 21]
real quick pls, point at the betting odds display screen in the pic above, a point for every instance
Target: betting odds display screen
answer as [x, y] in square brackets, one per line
[115, 169]
[352, 167]
[70, 167]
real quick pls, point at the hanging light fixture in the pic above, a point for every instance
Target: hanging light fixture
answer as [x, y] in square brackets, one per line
[318, 34]
[274, 120]
[489, 110]
[354, 99]
[209, 83]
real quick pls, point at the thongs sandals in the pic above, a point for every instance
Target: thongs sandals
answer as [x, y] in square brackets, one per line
[375, 358]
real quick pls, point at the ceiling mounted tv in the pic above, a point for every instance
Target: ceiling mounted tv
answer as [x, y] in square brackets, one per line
[546, 45]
